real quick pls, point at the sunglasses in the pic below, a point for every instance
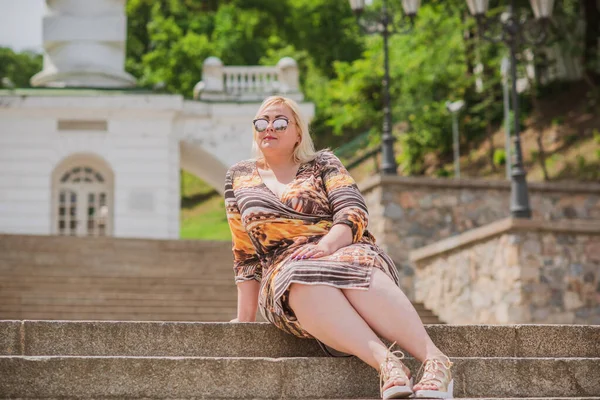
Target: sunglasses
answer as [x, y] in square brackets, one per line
[279, 124]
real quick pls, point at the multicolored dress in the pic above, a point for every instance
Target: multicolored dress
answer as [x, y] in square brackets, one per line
[267, 229]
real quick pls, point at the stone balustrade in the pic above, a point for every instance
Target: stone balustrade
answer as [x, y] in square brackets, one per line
[513, 271]
[247, 83]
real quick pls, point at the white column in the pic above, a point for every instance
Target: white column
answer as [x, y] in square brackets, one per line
[84, 43]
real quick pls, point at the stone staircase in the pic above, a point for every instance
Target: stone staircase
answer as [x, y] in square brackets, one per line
[101, 359]
[99, 278]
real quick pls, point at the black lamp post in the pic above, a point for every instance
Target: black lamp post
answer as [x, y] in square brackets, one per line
[383, 24]
[515, 31]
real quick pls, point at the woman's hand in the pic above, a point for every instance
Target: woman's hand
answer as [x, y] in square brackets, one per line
[339, 236]
[313, 251]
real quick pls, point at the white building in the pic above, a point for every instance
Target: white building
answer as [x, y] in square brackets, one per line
[87, 154]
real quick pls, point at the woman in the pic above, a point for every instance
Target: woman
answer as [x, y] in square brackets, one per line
[303, 254]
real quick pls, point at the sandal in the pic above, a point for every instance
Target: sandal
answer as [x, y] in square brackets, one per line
[393, 369]
[436, 373]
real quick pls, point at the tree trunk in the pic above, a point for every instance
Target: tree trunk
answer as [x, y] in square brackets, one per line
[540, 131]
[490, 135]
[542, 154]
[470, 38]
[591, 56]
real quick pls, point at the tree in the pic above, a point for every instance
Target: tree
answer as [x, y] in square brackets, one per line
[428, 67]
[342, 70]
[591, 56]
[19, 67]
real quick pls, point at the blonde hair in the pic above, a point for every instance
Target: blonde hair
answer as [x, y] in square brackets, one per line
[305, 151]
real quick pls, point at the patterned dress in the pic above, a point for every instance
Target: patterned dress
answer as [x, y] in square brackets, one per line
[267, 229]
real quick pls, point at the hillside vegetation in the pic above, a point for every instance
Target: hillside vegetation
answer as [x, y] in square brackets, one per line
[570, 137]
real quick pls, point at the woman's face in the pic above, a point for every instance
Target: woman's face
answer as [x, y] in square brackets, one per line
[277, 142]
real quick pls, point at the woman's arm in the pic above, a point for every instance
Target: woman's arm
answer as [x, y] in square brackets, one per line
[339, 236]
[246, 264]
[350, 215]
[247, 301]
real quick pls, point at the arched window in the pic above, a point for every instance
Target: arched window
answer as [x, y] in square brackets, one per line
[82, 197]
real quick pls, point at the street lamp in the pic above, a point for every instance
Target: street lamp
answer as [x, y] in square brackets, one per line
[513, 32]
[383, 25]
[504, 67]
[454, 109]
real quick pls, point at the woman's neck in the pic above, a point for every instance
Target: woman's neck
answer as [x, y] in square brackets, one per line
[278, 162]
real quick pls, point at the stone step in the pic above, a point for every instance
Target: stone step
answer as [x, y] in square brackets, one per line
[180, 279]
[89, 293]
[219, 271]
[130, 314]
[189, 264]
[87, 257]
[143, 306]
[56, 284]
[143, 339]
[60, 244]
[116, 298]
[208, 292]
[116, 251]
[125, 315]
[133, 284]
[129, 308]
[250, 378]
[183, 262]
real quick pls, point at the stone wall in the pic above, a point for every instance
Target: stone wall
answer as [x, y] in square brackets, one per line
[513, 271]
[409, 213]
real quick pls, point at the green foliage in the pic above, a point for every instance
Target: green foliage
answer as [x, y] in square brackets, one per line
[570, 139]
[499, 157]
[169, 39]
[553, 160]
[596, 134]
[557, 121]
[427, 68]
[18, 67]
[581, 163]
[442, 173]
[341, 70]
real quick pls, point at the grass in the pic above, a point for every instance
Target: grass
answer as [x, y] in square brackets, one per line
[206, 221]
[202, 211]
[192, 186]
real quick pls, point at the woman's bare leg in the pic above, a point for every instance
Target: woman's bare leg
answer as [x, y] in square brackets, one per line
[389, 313]
[326, 314]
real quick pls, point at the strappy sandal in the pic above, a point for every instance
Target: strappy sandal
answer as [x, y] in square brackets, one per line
[393, 369]
[436, 373]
